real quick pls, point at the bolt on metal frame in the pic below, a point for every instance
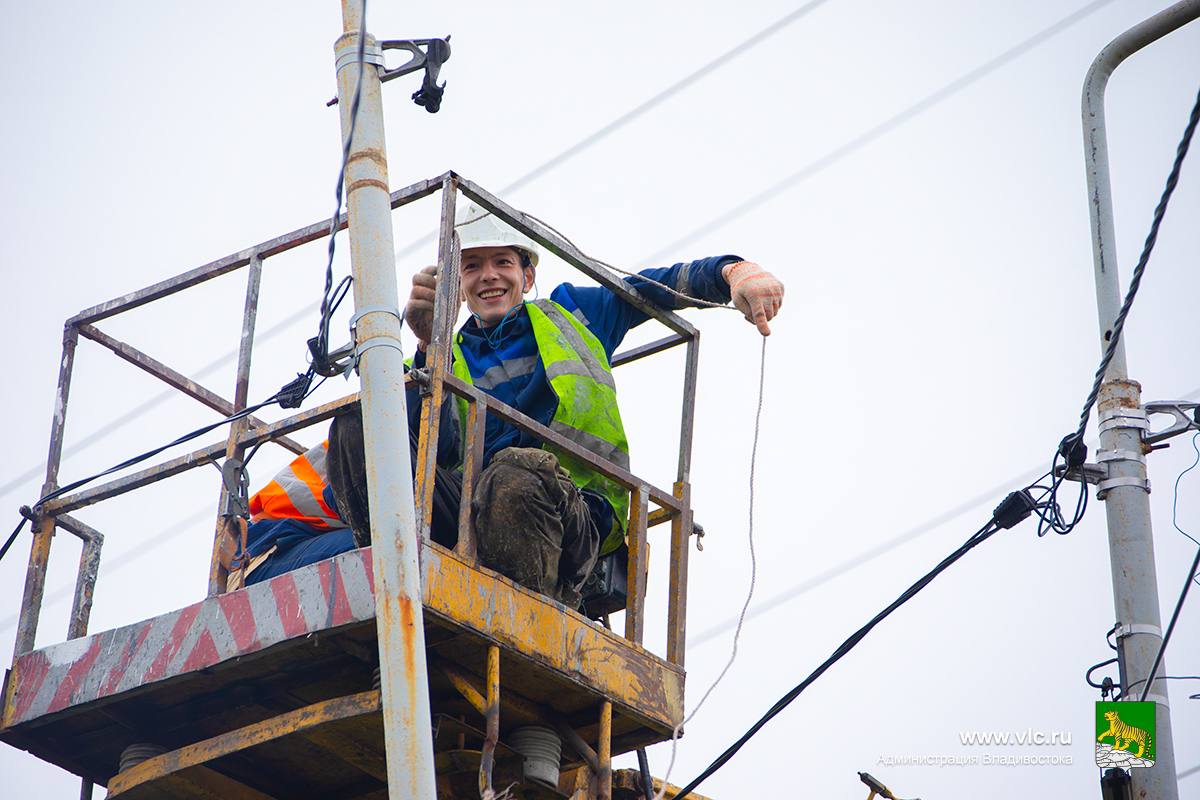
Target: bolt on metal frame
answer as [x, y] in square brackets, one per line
[673, 506]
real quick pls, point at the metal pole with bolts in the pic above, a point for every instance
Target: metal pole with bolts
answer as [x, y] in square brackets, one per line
[408, 734]
[1123, 420]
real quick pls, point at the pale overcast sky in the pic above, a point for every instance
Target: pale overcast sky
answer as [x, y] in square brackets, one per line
[938, 338]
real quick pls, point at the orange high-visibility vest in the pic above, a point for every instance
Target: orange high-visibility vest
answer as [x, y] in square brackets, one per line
[297, 493]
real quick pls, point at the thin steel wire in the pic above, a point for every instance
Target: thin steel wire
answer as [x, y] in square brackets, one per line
[737, 633]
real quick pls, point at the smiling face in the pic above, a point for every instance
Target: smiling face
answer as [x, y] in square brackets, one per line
[493, 282]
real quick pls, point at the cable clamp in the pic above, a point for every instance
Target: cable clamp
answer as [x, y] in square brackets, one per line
[1103, 456]
[1183, 421]
[1122, 411]
[347, 55]
[426, 54]
[1137, 628]
[362, 312]
[1106, 485]
[377, 341]
[237, 483]
[1124, 423]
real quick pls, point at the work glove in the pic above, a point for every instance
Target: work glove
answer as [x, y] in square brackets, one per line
[755, 292]
[419, 311]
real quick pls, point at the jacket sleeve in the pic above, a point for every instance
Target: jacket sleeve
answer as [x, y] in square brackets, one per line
[610, 318]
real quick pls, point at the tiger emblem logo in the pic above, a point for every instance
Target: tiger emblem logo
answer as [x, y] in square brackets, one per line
[1124, 736]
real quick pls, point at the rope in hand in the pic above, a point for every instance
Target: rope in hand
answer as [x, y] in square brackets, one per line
[762, 371]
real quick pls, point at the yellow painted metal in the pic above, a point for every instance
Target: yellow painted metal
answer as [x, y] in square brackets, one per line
[195, 783]
[681, 534]
[635, 611]
[630, 781]
[643, 685]
[491, 714]
[604, 746]
[200, 753]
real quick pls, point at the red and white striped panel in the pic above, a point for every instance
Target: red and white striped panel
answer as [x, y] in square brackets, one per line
[317, 597]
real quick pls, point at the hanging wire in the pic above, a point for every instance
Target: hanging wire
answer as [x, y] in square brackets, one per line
[327, 308]
[737, 633]
[1175, 498]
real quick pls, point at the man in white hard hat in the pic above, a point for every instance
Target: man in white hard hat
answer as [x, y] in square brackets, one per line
[541, 517]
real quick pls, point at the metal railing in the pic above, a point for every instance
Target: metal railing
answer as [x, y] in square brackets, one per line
[673, 506]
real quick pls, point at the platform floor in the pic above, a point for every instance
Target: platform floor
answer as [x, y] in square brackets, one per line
[308, 638]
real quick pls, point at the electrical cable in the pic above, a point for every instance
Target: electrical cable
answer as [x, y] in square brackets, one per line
[322, 346]
[1175, 498]
[977, 538]
[1162, 647]
[879, 131]
[286, 394]
[1045, 505]
[596, 136]
[296, 390]
[1167, 678]
[1147, 248]
[1071, 450]
[663, 95]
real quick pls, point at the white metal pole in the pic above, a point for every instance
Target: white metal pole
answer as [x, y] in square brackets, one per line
[404, 684]
[1130, 538]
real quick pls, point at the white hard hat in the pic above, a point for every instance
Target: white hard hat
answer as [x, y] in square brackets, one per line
[478, 227]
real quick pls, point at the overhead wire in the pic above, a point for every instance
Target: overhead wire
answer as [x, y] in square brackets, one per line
[977, 538]
[741, 48]
[878, 131]
[762, 370]
[711, 66]
[882, 549]
[1175, 496]
[1162, 646]
[322, 347]
[295, 391]
[1070, 452]
[1045, 505]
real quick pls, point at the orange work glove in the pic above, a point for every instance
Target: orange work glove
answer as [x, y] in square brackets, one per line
[755, 292]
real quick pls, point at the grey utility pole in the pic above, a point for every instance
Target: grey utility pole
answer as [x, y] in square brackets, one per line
[1123, 423]
[408, 734]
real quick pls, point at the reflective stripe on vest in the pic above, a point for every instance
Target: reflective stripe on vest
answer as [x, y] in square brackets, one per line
[578, 372]
[297, 492]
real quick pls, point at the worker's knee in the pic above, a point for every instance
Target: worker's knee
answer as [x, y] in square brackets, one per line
[520, 476]
[517, 509]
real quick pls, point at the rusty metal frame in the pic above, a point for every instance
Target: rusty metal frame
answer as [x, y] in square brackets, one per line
[436, 380]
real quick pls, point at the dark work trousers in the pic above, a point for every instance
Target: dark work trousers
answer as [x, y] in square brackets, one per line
[531, 521]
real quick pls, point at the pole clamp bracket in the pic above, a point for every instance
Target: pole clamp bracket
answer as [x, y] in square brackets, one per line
[427, 54]
[362, 312]
[1136, 628]
[376, 341]
[347, 55]
[1187, 418]
[1123, 418]
[1108, 484]
[1109, 456]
